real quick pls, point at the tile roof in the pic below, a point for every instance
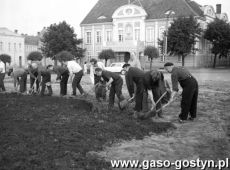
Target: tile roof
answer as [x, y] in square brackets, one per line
[31, 40]
[154, 8]
[6, 31]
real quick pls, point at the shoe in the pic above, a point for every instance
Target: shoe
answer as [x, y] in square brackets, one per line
[191, 118]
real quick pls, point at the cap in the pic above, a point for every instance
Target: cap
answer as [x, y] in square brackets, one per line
[98, 69]
[125, 65]
[168, 64]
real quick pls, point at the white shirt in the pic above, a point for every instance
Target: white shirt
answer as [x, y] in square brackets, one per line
[73, 67]
[2, 67]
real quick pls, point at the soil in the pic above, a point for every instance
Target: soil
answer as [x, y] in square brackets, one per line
[62, 134]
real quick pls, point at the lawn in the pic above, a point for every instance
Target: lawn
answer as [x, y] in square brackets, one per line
[58, 133]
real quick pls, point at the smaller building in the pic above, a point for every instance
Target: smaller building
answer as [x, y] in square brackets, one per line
[12, 43]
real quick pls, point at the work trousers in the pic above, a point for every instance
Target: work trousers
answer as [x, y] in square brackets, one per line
[139, 95]
[46, 78]
[32, 80]
[189, 98]
[76, 82]
[22, 82]
[116, 88]
[63, 83]
[2, 86]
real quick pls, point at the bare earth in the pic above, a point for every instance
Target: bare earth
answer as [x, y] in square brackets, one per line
[208, 137]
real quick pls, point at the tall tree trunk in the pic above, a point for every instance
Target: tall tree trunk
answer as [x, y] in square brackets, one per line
[105, 62]
[183, 57]
[151, 63]
[214, 62]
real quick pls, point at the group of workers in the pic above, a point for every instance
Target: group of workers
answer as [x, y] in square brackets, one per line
[139, 84]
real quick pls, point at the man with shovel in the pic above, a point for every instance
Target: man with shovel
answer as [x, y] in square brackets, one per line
[190, 90]
[135, 75]
[114, 83]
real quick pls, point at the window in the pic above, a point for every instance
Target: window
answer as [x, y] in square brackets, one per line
[88, 38]
[89, 56]
[9, 45]
[1, 46]
[120, 36]
[14, 46]
[108, 36]
[20, 46]
[150, 34]
[98, 36]
[137, 34]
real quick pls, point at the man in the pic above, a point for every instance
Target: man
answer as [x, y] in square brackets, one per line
[44, 76]
[135, 75]
[20, 78]
[114, 83]
[75, 73]
[155, 85]
[190, 90]
[33, 71]
[95, 64]
[2, 75]
[62, 75]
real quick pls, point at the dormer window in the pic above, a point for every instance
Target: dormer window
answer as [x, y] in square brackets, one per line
[128, 11]
[101, 17]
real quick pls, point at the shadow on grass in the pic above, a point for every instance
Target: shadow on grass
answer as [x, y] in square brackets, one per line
[57, 133]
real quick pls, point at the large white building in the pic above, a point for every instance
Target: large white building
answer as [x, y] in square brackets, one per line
[12, 43]
[130, 25]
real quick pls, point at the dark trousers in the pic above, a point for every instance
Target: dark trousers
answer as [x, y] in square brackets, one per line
[139, 95]
[46, 78]
[156, 95]
[76, 82]
[22, 83]
[2, 76]
[189, 98]
[116, 88]
[63, 83]
[32, 80]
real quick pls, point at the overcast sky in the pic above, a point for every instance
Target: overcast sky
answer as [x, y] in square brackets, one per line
[30, 16]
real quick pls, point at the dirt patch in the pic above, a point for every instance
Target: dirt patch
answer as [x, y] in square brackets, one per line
[56, 133]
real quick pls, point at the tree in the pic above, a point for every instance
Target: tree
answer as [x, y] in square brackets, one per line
[5, 58]
[64, 56]
[61, 37]
[35, 56]
[218, 33]
[181, 36]
[106, 55]
[151, 52]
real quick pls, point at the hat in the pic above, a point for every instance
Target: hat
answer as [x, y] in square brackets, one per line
[168, 64]
[125, 65]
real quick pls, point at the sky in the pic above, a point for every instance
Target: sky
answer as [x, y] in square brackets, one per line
[30, 16]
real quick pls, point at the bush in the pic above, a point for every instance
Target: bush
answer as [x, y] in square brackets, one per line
[35, 56]
[64, 56]
[5, 58]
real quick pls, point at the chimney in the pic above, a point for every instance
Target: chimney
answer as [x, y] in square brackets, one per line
[16, 31]
[218, 8]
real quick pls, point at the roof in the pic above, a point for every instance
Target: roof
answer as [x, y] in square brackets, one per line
[31, 40]
[7, 32]
[154, 8]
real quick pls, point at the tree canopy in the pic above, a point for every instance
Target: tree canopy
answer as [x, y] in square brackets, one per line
[35, 56]
[61, 37]
[5, 58]
[64, 56]
[106, 55]
[181, 36]
[218, 33]
[151, 52]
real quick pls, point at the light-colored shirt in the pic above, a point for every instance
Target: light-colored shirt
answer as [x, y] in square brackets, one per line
[2, 67]
[73, 67]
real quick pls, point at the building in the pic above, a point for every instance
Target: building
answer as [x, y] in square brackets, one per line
[12, 43]
[31, 44]
[130, 25]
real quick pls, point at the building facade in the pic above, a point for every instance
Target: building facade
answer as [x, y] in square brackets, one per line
[12, 43]
[129, 26]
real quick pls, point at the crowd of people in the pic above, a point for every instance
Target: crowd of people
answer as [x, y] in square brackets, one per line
[140, 84]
